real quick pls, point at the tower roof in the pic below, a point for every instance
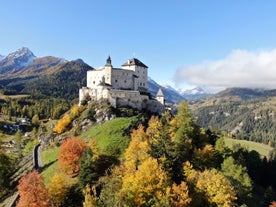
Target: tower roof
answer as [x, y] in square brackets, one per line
[136, 62]
[160, 93]
[108, 61]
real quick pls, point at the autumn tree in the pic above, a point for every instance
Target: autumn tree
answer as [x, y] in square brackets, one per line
[69, 154]
[62, 124]
[90, 199]
[209, 187]
[58, 189]
[205, 157]
[180, 195]
[74, 111]
[143, 179]
[32, 191]
[148, 183]
[137, 150]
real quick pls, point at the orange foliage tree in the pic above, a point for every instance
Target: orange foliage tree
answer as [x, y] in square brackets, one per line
[69, 154]
[32, 191]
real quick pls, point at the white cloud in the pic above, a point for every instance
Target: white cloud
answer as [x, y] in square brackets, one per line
[240, 68]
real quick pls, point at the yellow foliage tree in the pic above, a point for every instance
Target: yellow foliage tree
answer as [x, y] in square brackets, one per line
[95, 149]
[89, 199]
[155, 129]
[58, 189]
[62, 124]
[180, 195]
[137, 150]
[205, 157]
[216, 187]
[148, 182]
[74, 111]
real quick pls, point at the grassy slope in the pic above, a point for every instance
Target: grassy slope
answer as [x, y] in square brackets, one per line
[49, 160]
[109, 136]
[261, 148]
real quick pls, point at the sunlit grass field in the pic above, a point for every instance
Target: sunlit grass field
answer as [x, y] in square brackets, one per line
[49, 161]
[261, 148]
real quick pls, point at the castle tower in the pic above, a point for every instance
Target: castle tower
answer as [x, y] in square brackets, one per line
[160, 97]
[108, 70]
[141, 71]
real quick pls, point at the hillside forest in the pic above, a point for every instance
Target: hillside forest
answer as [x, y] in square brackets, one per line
[141, 160]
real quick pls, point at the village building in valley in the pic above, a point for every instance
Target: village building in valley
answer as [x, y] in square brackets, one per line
[126, 86]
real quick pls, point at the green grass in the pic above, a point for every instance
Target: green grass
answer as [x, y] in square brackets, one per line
[109, 136]
[49, 160]
[260, 148]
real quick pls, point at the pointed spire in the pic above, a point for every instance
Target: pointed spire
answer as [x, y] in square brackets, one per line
[160, 93]
[108, 61]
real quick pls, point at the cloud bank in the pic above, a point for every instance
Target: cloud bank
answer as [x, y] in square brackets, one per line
[240, 68]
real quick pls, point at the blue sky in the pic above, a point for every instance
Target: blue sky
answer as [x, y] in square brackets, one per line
[179, 40]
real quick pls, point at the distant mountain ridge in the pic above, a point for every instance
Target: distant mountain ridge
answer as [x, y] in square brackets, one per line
[242, 113]
[23, 72]
[171, 95]
[23, 62]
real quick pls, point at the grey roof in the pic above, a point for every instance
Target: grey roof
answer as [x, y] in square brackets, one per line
[134, 61]
[160, 93]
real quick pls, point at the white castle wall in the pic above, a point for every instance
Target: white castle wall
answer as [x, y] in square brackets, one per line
[123, 79]
[141, 73]
[121, 87]
[94, 77]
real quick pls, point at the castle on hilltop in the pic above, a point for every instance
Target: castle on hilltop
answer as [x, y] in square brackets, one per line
[126, 86]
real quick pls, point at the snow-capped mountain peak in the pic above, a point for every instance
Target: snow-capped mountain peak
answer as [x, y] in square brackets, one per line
[193, 93]
[17, 60]
[22, 57]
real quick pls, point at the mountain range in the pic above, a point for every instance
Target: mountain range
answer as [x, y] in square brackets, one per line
[241, 113]
[23, 72]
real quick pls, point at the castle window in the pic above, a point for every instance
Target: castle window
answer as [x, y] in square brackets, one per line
[116, 81]
[93, 82]
[143, 84]
[125, 81]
